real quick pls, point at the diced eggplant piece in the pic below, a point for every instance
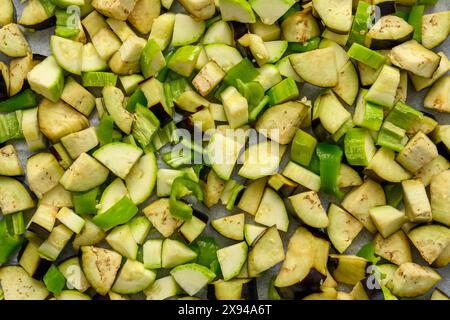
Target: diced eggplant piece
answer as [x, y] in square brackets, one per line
[440, 197]
[415, 58]
[328, 294]
[143, 15]
[7, 14]
[200, 9]
[309, 285]
[213, 189]
[159, 215]
[4, 81]
[419, 151]
[84, 174]
[100, 267]
[435, 167]
[394, 248]
[384, 167]
[208, 78]
[412, 280]
[439, 295]
[265, 252]
[435, 28]
[43, 172]
[71, 269]
[252, 196]
[122, 241]
[437, 97]
[282, 120]
[18, 70]
[309, 209]
[118, 9]
[35, 16]
[305, 252]
[349, 269]
[236, 289]
[336, 15]
[126, 60]
[430, 240]
[13, 42]
[387, 219]
[417, 205]
[389, 31]
[18, 285]
[14, 197]
[231, 227]
[359, 201]
[426, 125]
[57, 120]
[90, 235]
[272, 211]
[300, 26]
[444, 259]
[318, 67]
[342, 228]
[9, 162]
[420, 83]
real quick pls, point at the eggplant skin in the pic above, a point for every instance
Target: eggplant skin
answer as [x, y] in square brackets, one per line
[311, 284]
[45, 24]
[386, 8]
[380, 44]
[388, 32]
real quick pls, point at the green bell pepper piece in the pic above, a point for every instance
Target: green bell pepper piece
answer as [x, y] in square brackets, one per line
[330, 157]
[182, 187]
[8, 242]
[54, 280]
[118, 214]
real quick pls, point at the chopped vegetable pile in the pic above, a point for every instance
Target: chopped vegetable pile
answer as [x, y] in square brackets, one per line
[150, 115]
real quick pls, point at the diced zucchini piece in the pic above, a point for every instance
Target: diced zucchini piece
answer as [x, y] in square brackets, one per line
[12, 41]
[84, 174]
[317, 67]
[186, 30]
[47, 79]
[237, 10]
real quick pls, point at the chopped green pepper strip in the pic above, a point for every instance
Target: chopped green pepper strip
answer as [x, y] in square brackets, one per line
[105, 130]
[164, 72]
[253, 91]
[85, 202]
[244, 71]
[121, 212]
[309, 45]
[206, 248]
[15, 223]
[23, 100]
[394, 194]
[330, 157]
[54, 280]
[182, 187]
[415, 19]
[360, 24]
[138, 97]
[8, 242]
